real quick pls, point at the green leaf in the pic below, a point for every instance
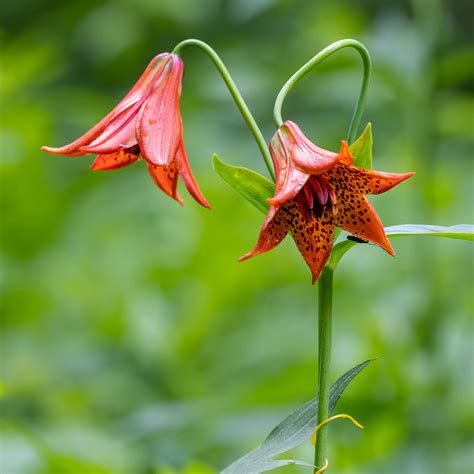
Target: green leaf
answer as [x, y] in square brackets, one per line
[69, 465]
[461, 231]
[361, 149]
[291, 432]
[338, 251]
[251, 185]
[263, 465]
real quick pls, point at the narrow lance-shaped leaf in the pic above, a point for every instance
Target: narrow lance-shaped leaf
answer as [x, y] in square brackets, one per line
[460, 232]
[291, 432]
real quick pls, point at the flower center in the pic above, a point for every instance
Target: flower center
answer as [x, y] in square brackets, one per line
[134, 150]
[316, 194]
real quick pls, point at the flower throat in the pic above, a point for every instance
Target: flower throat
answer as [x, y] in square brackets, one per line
[316, 194]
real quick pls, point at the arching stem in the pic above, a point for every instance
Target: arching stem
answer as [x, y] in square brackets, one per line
[234, 92]
[312, 63]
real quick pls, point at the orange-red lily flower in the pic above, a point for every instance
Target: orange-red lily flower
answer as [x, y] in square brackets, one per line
[316, 190]
[146, 123]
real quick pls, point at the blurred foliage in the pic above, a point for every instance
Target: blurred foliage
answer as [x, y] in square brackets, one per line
[132, 340]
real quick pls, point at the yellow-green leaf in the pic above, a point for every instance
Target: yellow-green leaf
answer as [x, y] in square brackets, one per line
[251, 185]
[361, 149]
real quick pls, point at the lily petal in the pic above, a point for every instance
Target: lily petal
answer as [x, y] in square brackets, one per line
[274, 229]
[166, 178]
[313, 237]
[119, 159]
[362, 181]
[358, 217]
[304, 154]
[118, 134]
[377, 182]
[184, 170]
[135, 96]
[159, 127]
[294, 182]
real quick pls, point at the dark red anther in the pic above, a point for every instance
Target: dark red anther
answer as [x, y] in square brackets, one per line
[308, 192]
[319, 187]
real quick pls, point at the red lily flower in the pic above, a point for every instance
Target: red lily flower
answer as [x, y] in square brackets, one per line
[316, 190]
[146, 123]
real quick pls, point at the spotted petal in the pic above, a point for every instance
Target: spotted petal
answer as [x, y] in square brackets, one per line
[119, 159]
[273, 231]
[313, 237]
[362, 182]
[357, 216]
[166, 178]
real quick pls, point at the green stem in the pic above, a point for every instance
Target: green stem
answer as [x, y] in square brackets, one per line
[234, 92]
[312, 63]
[324, 361]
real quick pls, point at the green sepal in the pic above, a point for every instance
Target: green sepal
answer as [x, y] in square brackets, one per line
[252, 186]
[361, 149]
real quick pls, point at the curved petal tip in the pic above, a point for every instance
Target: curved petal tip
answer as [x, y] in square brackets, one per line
[64, 151]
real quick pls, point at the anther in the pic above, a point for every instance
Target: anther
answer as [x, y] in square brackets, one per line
[320, 191]
[325, 190]
[333, 199]
[309, 195]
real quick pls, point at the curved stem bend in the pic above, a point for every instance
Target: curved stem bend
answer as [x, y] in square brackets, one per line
[312, 63]
[234, 92]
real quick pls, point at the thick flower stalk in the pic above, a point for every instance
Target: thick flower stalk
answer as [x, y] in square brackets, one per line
[145, 124]
[317, 190]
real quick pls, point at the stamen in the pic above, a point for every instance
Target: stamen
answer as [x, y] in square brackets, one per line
[319, 189]
[333, 200]
[309, 196]
[319, 193]
[332, 195]
[325, 188]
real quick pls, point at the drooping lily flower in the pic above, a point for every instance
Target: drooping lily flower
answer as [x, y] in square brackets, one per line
[146, 123]
[316, 190]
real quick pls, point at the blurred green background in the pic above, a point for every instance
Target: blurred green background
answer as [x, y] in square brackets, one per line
[132, 340]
